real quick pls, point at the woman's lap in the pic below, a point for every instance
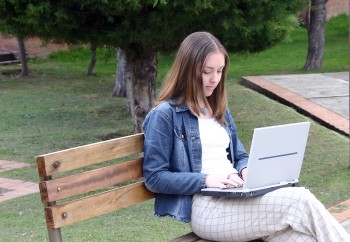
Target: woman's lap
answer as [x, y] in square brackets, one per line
[243, 219]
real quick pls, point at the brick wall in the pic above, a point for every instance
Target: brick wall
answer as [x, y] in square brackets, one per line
[34, 47]
[336, 7]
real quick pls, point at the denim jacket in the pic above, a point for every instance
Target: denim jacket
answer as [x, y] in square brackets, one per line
[172, 157]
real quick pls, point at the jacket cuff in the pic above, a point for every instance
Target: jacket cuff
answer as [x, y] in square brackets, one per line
[240, 172]
[203, 181]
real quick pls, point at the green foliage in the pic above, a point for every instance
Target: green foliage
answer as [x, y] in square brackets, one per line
[13, 18]
[338, 27]
[250, 25]
[240, 24]
[160, 24]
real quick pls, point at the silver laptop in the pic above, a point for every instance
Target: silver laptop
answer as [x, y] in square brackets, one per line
[275, 160]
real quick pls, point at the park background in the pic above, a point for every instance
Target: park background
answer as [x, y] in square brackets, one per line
[59, 107]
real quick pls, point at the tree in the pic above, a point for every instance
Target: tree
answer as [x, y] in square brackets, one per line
[90, 71]
[13, 22]
[241, 25]
[70, 22]
[120, 84]
[23, 56]
[75, 23]
[316, 35]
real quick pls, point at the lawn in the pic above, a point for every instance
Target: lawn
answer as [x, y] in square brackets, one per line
[59, 107]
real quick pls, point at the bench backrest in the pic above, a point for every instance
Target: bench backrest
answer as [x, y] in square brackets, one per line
[59, 194]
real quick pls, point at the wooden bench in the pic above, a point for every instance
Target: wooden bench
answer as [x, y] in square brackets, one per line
[57, 182]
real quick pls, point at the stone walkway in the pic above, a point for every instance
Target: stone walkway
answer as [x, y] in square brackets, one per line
[342, 213]
[323, 97]
[10, 188]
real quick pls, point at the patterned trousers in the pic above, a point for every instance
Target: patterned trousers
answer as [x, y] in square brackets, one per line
[286, 214]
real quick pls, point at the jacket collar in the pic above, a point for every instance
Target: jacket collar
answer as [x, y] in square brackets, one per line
[181, 108]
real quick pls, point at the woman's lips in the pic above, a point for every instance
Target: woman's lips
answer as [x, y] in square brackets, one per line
[211, 88]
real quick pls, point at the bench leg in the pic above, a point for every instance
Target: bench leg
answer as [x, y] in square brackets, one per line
[54, 235]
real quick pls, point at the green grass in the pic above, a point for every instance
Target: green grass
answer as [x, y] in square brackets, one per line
[289, 56]
[59, 107]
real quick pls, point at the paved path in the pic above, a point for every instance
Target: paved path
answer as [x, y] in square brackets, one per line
[10, 188]
[323, 97]
[342, 213]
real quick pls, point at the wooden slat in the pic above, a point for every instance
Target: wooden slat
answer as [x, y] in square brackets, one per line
[190, 237]
[86, 155]
[72, 185]
[95, 205]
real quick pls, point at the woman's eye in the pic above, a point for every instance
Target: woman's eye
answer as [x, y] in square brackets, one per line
[209, 72]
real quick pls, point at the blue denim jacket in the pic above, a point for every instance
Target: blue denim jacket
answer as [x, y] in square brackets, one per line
[172, 158]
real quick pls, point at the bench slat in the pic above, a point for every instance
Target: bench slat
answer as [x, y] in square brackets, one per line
[61, 215]
[60, 188]
[190, 237]
[86, 155]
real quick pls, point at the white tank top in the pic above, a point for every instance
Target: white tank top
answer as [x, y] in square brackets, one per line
[215, 141]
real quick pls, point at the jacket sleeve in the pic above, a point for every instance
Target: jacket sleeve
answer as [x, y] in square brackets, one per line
[158, 149]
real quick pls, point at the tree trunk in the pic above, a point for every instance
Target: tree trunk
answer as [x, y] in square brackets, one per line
[90, 72]
[120, 82]
[316, 35]
[141, 76]
[23, 56]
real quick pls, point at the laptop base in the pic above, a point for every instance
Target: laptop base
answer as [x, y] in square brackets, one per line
[244, 193]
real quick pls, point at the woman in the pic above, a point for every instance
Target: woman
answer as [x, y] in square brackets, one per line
[191, 142]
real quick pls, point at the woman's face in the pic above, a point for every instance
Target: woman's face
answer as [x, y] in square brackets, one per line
[212, 72]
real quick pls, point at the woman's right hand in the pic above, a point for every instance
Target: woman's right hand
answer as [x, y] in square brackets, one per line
[222, 181]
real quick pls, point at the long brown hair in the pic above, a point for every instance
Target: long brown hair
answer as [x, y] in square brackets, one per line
[184, 80]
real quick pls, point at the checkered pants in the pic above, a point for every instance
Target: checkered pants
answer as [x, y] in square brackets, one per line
[286, 214]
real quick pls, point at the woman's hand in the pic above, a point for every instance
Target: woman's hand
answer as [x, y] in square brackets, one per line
[222, 181]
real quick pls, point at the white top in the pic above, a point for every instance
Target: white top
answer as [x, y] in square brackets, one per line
[215, 141]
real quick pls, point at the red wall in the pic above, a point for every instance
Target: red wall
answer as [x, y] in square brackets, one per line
[336, 7]
[34, 47]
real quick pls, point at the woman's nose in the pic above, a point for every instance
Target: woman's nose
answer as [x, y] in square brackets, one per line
[215, 77]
